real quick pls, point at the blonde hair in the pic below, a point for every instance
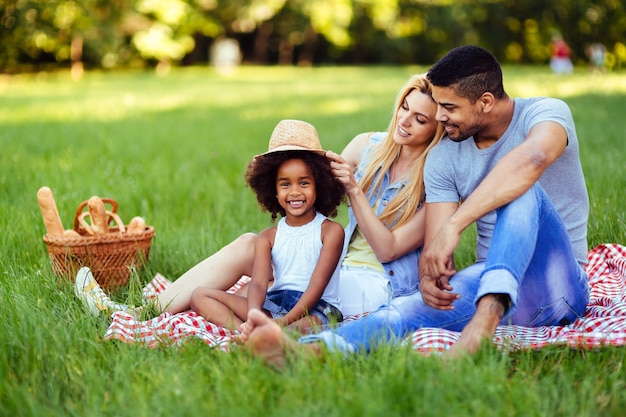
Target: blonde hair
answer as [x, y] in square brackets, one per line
[405, 203]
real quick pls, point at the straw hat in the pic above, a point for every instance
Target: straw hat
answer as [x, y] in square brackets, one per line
[294, 135]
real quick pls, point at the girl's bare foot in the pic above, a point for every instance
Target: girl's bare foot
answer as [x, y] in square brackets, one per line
[266, 339]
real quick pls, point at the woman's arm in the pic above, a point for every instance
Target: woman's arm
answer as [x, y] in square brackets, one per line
[262, 271]
[332, 245]
[353, 150]
[387, 245]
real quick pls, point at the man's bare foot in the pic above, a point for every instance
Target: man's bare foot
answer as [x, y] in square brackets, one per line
[481, 327]
[266, 339]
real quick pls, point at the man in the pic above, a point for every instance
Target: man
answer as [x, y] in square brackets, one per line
[500, 155]
[514, 166]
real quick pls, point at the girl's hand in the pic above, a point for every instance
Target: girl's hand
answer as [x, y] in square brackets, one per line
[342, 170]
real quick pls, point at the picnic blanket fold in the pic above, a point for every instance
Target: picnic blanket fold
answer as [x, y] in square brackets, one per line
[604, 322]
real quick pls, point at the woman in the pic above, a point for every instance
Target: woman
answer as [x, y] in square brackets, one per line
[382, 173]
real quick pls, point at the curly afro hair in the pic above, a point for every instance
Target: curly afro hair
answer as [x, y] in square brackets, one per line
[261, 177]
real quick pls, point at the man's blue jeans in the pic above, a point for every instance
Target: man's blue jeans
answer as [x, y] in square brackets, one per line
[530, 259]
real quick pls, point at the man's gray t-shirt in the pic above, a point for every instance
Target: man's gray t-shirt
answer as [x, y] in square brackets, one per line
[454, 169]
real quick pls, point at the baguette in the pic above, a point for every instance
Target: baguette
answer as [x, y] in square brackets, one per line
[98, 215]
[49, 212]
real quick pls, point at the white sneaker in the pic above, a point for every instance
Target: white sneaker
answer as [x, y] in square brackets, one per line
[94, 298]
[89, 292]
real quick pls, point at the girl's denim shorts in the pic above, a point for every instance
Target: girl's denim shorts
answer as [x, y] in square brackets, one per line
[279, 303]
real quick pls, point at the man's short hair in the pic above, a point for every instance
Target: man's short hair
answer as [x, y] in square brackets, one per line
[470, 70]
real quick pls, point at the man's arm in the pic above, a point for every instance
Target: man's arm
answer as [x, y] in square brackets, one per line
[434, 268]
[513, 175]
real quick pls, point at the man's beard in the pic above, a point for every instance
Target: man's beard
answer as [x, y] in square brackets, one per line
[459, 135]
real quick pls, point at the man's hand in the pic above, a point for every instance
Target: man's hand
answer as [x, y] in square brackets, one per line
[436, 292]
[437, 260]
[436, 266]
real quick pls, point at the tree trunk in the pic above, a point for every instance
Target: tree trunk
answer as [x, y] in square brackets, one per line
[261, 42]
[76, 56]
[308, 51]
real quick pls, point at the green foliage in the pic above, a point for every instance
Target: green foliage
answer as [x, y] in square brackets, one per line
[46, 34]
[42, 34]
[173, 150]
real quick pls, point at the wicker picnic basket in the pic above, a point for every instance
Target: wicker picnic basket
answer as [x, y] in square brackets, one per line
[110, 256]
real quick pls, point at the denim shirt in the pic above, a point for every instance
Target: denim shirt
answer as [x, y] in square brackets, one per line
[402, 272]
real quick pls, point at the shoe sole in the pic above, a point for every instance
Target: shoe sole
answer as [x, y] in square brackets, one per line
[79, 285]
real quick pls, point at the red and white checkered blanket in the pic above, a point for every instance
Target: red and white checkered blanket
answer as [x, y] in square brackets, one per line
[604, 322]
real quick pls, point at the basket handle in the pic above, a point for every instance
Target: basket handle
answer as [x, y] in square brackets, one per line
[79, 217]
[110, 217]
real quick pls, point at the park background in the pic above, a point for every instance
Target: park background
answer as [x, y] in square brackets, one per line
[38, 35]
[171, 145]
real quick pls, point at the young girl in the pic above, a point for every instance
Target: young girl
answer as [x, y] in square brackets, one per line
[301, 252]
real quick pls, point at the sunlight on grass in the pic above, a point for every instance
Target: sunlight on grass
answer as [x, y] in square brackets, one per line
[45, 100]
[102, 101]
[174, 150]
[543, 83]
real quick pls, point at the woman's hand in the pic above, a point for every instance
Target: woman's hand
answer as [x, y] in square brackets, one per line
[342, 170]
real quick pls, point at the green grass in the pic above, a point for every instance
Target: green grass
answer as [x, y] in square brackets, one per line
[173, 150]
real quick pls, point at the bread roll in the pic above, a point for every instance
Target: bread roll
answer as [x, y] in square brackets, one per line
[49, 212]
[98, 215]
[69, 233]
[137, 225]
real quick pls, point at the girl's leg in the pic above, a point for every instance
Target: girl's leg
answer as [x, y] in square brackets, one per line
[219, 271]
[219, 307]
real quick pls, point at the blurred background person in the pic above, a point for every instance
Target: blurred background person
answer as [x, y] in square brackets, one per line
[596, 52]
[560, 62]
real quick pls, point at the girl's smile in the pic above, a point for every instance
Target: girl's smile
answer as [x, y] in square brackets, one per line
[296, 191]
[296, 203]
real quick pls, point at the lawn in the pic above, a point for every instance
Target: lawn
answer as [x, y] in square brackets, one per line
[173, 149]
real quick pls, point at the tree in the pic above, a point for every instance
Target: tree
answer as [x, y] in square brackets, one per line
[43, 34]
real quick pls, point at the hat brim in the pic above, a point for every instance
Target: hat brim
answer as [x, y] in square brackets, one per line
[283, 148]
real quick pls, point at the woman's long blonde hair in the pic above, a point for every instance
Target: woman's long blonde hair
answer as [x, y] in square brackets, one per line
[404, 204]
